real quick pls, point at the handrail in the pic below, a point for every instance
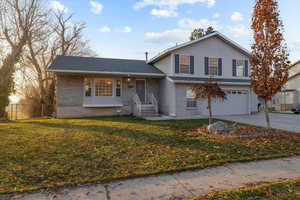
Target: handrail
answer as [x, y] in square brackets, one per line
[154, 102]
[137, 102]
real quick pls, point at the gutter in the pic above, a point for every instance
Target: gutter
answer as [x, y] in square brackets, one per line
[223, 83]
[106, 73]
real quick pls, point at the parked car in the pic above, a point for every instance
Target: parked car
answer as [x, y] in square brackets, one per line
[296, 108]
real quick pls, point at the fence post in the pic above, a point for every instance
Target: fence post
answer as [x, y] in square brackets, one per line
[16, 111]
[11, 111]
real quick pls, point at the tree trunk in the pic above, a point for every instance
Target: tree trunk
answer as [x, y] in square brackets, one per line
[267, 113]
[210, 121]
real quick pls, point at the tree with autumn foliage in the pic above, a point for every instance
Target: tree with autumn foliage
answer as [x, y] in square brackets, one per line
[269, 52]
[209, 91]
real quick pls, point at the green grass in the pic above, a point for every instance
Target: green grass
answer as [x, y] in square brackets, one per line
[285, 190]
[42, 153]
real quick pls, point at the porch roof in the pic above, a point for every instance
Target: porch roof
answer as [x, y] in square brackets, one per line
[76, 64]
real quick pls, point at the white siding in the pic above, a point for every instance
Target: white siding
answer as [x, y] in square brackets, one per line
[164, 65]
[211, 47]
[236, 104]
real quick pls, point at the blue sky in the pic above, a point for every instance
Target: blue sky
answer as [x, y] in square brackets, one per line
[128, 28]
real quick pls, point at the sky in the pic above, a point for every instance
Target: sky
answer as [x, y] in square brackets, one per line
[129, 28]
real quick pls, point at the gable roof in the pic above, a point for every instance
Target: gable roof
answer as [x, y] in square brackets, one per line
[214, 34]
[294, 76]
[76, 64]
[294, 64]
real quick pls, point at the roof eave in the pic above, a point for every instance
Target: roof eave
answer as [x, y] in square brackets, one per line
[294, 64]
[220, 82]
[107, 73]
[294, 76]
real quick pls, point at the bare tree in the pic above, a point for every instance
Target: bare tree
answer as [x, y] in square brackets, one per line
[18, 20]
[200, 32]
[58, 37]
[69, 36]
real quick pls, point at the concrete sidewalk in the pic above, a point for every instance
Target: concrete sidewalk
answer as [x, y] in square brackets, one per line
[183, 184]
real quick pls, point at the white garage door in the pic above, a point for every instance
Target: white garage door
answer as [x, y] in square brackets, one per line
[237, 103]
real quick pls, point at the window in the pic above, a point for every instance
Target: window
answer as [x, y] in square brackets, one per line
[118, 88]
[103, 87]
[190, 96]
[87, 87]
[240, 68]
[213, 66]
[184, 64]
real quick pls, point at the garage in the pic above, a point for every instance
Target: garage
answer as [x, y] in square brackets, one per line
[237, 103]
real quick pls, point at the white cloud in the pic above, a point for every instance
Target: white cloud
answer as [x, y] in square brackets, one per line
[171, 3]
[202, 23]
[96, 7]
[164, 13]
[58, 6]
[168, 8]
[237, 31]
[237, 16]
[127, 29]
[105, 29]
[216, 15]
[168, 37]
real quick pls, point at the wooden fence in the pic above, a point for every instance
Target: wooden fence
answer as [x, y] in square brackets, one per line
[18, 111]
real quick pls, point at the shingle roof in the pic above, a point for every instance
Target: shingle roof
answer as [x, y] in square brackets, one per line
[198, 79]
[102, 65]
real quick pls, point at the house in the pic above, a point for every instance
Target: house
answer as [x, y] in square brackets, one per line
[291, 93]
[161, 85]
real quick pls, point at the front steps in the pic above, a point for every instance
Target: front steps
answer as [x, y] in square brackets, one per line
[148, 110]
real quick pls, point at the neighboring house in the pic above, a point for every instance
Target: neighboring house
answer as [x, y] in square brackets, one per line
[162, 85]
[291, 93]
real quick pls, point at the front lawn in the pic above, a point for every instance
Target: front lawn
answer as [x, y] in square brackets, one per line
[285, 190]
[44, 153]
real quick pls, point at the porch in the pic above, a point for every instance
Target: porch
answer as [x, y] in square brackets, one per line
[127, 95]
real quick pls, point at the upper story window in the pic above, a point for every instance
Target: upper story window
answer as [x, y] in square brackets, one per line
[87, 87]
[184, 64]
[213, 66]
[103, 87]
[240, 68]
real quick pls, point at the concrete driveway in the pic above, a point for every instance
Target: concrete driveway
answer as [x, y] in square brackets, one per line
[289, 122]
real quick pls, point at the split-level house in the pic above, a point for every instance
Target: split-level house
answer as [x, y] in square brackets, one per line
[161, 85]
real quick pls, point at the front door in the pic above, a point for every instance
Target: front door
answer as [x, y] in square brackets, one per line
[141, 90]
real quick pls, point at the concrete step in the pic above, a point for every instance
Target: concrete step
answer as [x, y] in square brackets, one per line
[150, 114]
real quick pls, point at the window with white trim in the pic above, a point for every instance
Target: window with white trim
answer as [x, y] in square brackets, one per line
[104, 87]
[240, 68]
[119, 88]
[213, 66]
[184, 64]
[191, 102]
[87, 87]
